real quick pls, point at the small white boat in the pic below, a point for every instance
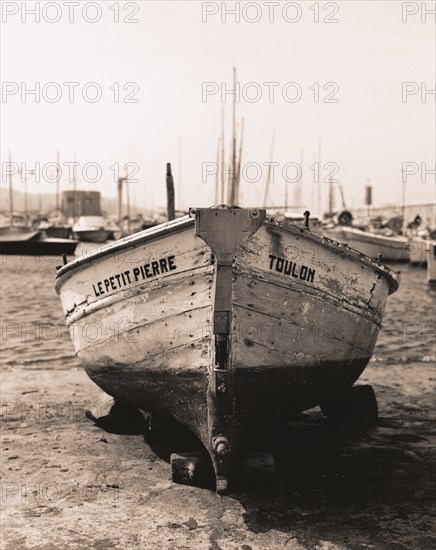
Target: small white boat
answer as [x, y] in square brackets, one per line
[210, 318]
[92, 229]
[375, 245]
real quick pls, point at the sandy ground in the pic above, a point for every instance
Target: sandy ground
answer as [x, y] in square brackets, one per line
[69, 484]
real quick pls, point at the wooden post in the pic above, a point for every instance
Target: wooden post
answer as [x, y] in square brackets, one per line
[170, 193]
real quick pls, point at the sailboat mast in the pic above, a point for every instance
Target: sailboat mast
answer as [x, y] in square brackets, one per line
[299, 188]
[344, 206]
[320, 177]
[239, 164]
[120, 198]
[179, 188]
[11, 198]
[233, 178]
[26, 201]
[223, 158]
[217, 175]
[126, 179]
[74, 190]
[286, 195]
[58, 169]
[330, 197]
[268, 177]
[403, 199]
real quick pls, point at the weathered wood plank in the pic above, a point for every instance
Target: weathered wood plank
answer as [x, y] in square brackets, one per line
[264, 341]
[148, 303]
[296, 257]
[133, 267]
[144, 340]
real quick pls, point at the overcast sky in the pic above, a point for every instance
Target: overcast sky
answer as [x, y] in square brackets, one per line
[367, 130]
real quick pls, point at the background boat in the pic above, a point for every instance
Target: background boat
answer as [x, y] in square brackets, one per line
[93, 229]
[36, 243]
[388, 247]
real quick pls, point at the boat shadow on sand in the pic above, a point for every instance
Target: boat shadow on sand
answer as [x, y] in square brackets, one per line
[329, 475]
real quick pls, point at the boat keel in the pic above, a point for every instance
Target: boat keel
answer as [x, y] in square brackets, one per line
[224, 232]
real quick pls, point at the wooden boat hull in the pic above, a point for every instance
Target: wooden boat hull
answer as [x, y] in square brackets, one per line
[210, 322]
[393, 249]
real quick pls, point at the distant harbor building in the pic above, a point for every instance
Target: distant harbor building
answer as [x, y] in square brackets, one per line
[86, 203]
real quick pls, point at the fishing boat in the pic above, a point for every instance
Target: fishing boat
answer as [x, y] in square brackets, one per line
[394, 248]
[93, 229]
[36, 243]
[220, 313]
[55, 227]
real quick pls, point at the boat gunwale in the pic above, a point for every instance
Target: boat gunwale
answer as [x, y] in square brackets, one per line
[185, 222]
[140, 237]
[341, 248]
